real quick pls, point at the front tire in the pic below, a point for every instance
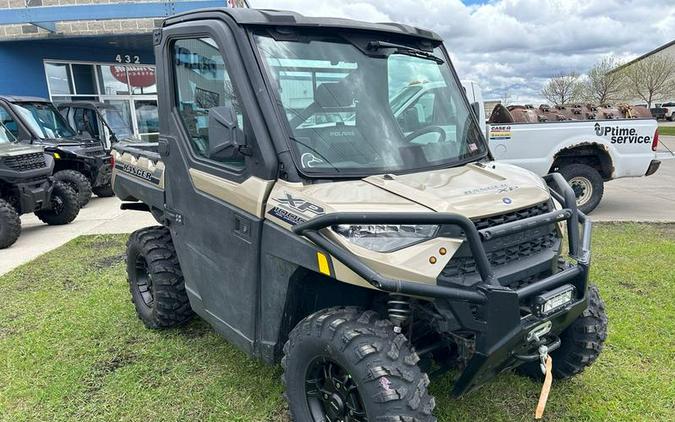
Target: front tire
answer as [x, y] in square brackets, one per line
[347, 364]
[78, 182]
[587, 184]
[581, 342]
[103, 191]
[155, 279]
[63, 206]
[10, 224]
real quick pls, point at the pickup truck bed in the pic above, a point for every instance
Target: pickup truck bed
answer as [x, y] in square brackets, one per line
[139, 175]
[621, 148]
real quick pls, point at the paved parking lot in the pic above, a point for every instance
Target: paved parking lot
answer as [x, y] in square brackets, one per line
[643, 198]
[101, 215]
[640, 199]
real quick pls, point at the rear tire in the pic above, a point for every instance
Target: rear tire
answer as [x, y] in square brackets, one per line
[10, 224]
[342, 360]
[155, 279]
[78, 182]
[63, 206]
[587, 184]
[103, 191]
[581, 342]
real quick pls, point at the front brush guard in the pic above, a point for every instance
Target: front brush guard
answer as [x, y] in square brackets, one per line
[502, 330]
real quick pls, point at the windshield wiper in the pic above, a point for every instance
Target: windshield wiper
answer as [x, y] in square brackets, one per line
[405, 49]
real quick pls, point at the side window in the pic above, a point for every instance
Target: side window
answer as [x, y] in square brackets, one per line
[8, 122]
[202, 82]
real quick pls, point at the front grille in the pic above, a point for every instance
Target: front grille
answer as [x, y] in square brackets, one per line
[26, 162]
[518, 245]
[467, 265]
[496, 220]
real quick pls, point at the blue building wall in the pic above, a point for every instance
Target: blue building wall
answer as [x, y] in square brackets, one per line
[22, 62]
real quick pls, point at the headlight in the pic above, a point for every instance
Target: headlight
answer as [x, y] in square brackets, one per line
[385, 237]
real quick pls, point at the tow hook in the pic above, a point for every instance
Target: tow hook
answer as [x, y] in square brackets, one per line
[542, 353]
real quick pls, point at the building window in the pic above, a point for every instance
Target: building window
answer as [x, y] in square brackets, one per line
[131, 88]
[59, 78]
[113, 80]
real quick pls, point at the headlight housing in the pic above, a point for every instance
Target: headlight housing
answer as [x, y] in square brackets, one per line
[385, 237]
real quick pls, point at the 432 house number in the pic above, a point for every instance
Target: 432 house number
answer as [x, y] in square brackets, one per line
[127, 58]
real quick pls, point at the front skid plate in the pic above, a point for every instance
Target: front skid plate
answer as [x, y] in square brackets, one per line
[495, 357]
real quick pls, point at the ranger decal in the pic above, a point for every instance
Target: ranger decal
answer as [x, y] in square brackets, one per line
[138, 172]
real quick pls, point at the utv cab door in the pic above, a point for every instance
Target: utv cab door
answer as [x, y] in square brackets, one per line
[214, 203]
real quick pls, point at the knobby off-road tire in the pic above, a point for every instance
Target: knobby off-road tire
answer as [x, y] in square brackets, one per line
[63, 206]
[587, 184]
[365, 356]
[10, 224]
[155, 279]
[581, 342]
[78, 182]
[103, 191]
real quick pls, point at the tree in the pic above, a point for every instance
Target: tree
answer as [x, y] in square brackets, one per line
[602, 85]
[650, 79]
[563, 88]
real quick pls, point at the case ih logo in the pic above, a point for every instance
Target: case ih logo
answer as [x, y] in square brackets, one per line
[622, 135]
[300, 204]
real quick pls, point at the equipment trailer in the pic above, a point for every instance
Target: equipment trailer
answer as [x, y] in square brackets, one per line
[303, 223]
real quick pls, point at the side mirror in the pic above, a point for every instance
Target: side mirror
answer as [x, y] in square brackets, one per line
[225, 138]
[475, 106]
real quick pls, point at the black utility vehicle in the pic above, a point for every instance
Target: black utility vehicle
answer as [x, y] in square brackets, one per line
[303, 221]
[80, 161]
[26, 186]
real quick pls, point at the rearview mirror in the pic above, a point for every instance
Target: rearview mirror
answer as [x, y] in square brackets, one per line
[410, 120]
[225, 138]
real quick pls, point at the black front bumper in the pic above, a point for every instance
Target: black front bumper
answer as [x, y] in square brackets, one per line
[488, 310]
[34, 196]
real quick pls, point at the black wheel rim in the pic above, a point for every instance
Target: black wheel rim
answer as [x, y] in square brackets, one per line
[57, 204]
[143, 281]
[332, 395]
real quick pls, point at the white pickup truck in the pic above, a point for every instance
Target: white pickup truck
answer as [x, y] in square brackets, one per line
[586, 152]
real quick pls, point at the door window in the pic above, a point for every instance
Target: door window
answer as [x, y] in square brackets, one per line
[85, 120]
[202, 82]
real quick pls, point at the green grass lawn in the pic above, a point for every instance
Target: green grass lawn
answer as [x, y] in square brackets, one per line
[667, 130]
[71, 348]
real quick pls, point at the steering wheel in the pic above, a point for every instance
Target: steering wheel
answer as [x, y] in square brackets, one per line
[424, 131]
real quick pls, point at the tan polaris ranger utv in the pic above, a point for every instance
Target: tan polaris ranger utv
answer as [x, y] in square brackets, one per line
[310, 226]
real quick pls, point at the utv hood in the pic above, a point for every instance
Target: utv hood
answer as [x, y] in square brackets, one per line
[474, 190]
[10, 150]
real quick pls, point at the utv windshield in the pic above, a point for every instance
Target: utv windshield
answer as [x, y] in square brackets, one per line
[116, 122]
[6, 136]
[343, 104]
[44, 120]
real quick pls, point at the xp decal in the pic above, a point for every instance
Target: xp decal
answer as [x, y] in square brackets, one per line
[300, 205]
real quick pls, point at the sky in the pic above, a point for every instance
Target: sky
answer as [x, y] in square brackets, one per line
[512, 47]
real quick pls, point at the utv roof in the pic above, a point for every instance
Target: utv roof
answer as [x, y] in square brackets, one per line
[258, 17]
[21, 99]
